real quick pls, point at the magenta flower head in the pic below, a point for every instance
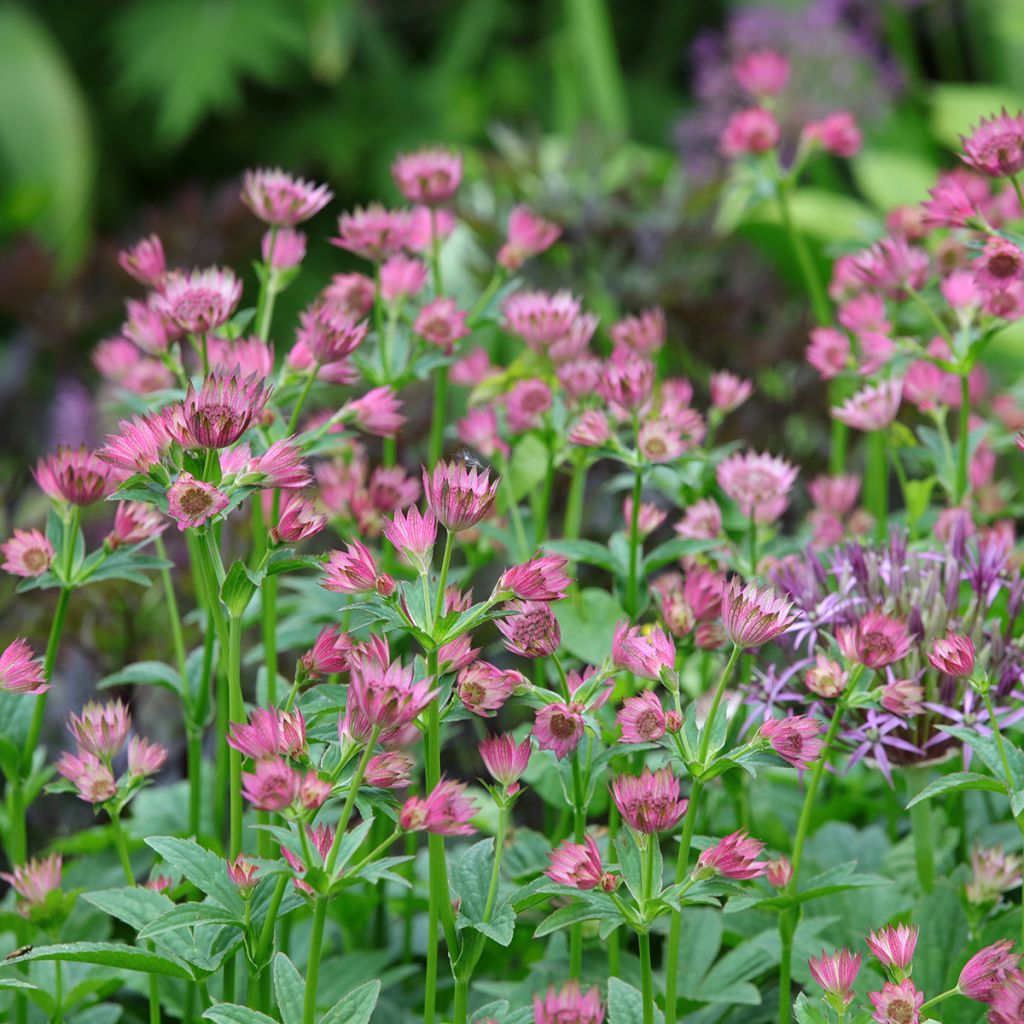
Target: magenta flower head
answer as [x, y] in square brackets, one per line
[377, 412]
[21, 671]
[1007, 1005]
[836, 973]
[531, 630]
[243, 873]
[374, 233]
[428, 176]
[754, 615]
[134, 523]
[279, 199]
[445, 811]
[441, 323]
[578, 865]
[390, 770]
[268, 734]
[459, 495]
[996, 146]
[627, 382]
[762, 73]
[591, 430]
[354, 571]
[987, 970]
[642, 718]
[273, 785]
[953, 654]
[281, 467]
[543, 579]
[649, 802]
[750, 131]
[89, 775]
[505, 759]
[837, 133]
[779, 872]
[145, 261]
[145, 758]
[101, 729]
[826, 677]
[644, 332]
[735, 856]
[28, 553]
[34, 881]
[529, 234]
[876, 641]
[139, 446]
[386, 696]
[74, 475]
[192, 503]
[222, 410]
[559, 728]
[568, 1005]
[729, 392]
[283, 249]
[871, 408]
[758, 483]
[201, 301]
[483, 688]
[893, 947]
[329, 332]
[414, 535]
[796, 739]
[897, 1004]
[299, 518]
[643, 650]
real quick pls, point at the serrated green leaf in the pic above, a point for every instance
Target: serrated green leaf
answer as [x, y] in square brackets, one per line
[355, 1008]
[289, 989]
[232, 1013]
[205, 870]
[955, 783]
[189, 915]
[145, 673]
[626, 1004]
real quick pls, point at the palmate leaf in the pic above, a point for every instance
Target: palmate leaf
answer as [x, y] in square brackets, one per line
[205, 870]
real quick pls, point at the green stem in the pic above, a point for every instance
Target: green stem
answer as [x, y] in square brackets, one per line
[58, 993]
[876, 483]
[574, 502]
[121, 843]
[808, 270]
[709, 724]
[194, 742]
[752, 543]
[921, 828]
[312, 971]
[579, 824]
[442, 582]
[267, 293]
[646, 976]
[963, 439]
[938, 999]
[634, 543]
[540, 530]
[439, 413]
[236, 713]
[293, 421]
[266, 939]
[514, 512]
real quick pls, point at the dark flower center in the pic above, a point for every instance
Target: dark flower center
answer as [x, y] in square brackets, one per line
[195, 501]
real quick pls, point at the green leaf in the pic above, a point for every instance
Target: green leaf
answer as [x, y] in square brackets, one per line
[890, 178]
[587, 551]
[205, 870]
[189, 915]
[626, 1004]
[145, 673]
[17, 983]
[109, 954]
[955, 783]
[289, 989]
[528, 465]
[355, 1008]
[807, 1013]
[231, 1013]
[673, 550]
[582, 909]
[238, 589]
[470, 878]
[501, 926]
[588, 622]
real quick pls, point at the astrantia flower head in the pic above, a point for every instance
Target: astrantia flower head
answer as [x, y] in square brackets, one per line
[529, 234]
[283, 248]
[28, 553]
[442, 323]
[201, 301]
[414, 534]
[649, 802]
[876, 640]
[272, 785]
[559, 728]
[994, 871]
[996, 146]
[145, 758]
[428, 176]
[828, 351]
[897, 1004]
[145, 261]
[568, 1005]
[642, 718]
[779, 872]
[526, 404]
[627, 382]
[329, 652]
[953, 654]
[298, 519]
[836, 133]
[374, 233]
[531, 629]
[735, 856]
[139, 445]
[390, 770]
[758, 483]
[74, 475]
[836, 973]
[90, 776]
[1008, 1002]
[753, 615]
[101, 729]
[826, 677]
[762, 73]
[894, 946]
[445, 811]
[796, 739]
[871, 408]
[377, 412]
[505, 759]
[643, 650]
[459, 495]
[243, 873]
[222, 409]
[34, 881]
[329, 333]
[483, 688]
[983, 974]
[750, 131]
[278, 198]
[729, 392]
[578, 866]
[542, 579]
[20, 670]
[645, 332]
[658, 440]
[591, 430]
[192, 502]
[701, 521]
[541, 319]
[353, 571]
[386, 696]
[134, 523]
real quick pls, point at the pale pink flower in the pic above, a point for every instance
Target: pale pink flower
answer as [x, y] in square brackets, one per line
[200, 301]
[960, 290]
[27, 553]
[428, 176]
[74, 475]
[758, 483]
[354, 571]
[750, 131]
[897, 1004]
[577, 865]
[445, 811]
[401, 277]
[192, 503]
[649, 802]
[351, 294]
[983, 974]
[627, 382]
[478, 429]
[953, 654]
[542, 579]
[701, 521]
[735, 856]
[541, 319]
[391, 488]
[529, 234]
[644, 333]
[894, 945]
[779, 872]
[530, 629]
[753, 616]
[642, 718]
[993, 872]
[903, 697]
[649, 516]
[865, 312]
[526, 404]
[876, 640]
[414, 535]
[762, 73]
[313, 791]
[836, 133]
[996, 146]
[836, 495]
[145, 758]
[828, 352]
[590, 430]
[243, 873]
[442, 323]
[428, 224]
[579, 377]
[483, 688]
[389, 770]
[273, 785]
[643, 650]
[1007, 1005]
[134, 523]
[373, 232]
[568, 1005]
[145, 261]
[329, 333]
[20, 670]
[148, 326]
[871, 408]
[559, 728]
[891, 265]
[795, 739]
[505, 759]
[826, 678]
[658, 440]
[728, 391]
[222, 410]
[836, 973]
[377, 412]
[298, 519]
[34, 881]
[101, 729]
[458, 495]
[89, 775]
[269, 733]
[951, 204]
[281, 467]
[278, 198]
[874, 351]
[472, 369]
[139, 446]
[385, 695]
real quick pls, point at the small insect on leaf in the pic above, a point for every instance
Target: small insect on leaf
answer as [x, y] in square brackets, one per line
[469, 460]
[21, 951]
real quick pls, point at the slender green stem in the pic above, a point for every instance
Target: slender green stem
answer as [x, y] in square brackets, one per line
[943, 995]
[313, 970]
[58, 993]
[646, 976]
[293, 420]
[442, 581]
[194, 746]
[921, 828]
[266, 939]
[439, 413]
[752, 542]
[808, 269]
[121, 843]
[634, 543]
[350, 801]
[267, 293]
[573, 520]
[876, 483]
[579, 824]
[236, 713]
[709, 724]
[540, 529]
[963, 458]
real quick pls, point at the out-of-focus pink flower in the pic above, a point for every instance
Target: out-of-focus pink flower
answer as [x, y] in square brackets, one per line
[529, 234]
[758, 483]
[627, 382]
[101, 729]
[329, 652]
[201, 301]
[795, 739]
[762, 73]
[891, 264]
[313, 791]
[876, 640]
[27, 553]
[960, 290]
[649, 802]
[828, 352]
[145, 758]
[836, 973]
[701, 521]
[729, 392]
[568, 1005]
[983, 974]
[329, 333]
[735, 856]
[644, 333]
[590, 430]
[836, 133]
[951, 205]
[903, 697]
[526, 404]
[643, 650]
[442, 323]
[273, 785]
[299, 518]
[953, 654]
[192, 503]
[89, 775]
[559, 728]
[993, 872]
[505, 759]
[134, 523]
[445, 811]
[428, 176]
[577, 865]
[894, 946]
[472, 369]
[34, 881]
[478, 429]
[284, 249]
[269, 733]
[139, 446]
[377, 412]
[779, 872]
[1008, 1001]
[658, 440]
[458, 495]
[278, 198]
[996, 146]
[649, 516]
[20, 670]
[542, 579]
[753, 616]
[483, 688]
[836, 495]
[1000, 263]
[826, 677]
[401, 277]
[390, 770]
[530, 629]
[145, 261]
[74, 475]
[373, 232]
[871, 408]
[897, 1004]
[427, 224]
[642, 718]
[863, 313]
[754, 130]
[874, 351]
[541, 319]
[352, 294]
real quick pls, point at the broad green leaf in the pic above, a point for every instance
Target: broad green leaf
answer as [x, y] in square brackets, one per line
[501, 925]
[109, 954]
[807, 1013]
[205, 870]
[673, 550]
[588, 621]
[145, 673]
[581, 909]
[231, 1013]
[528, 465]
[890, 178]
[955, 783]
[189, 915]
[470, 877]
[355, 1008]
[626, 1005]
[17, 983]
[289, 989]
[587, 551]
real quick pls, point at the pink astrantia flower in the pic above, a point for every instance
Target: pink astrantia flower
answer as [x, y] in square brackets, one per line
[374, 233]
[414, 534]
[779, 872]
[505, 759]
[221, 411]
[701, 521]
[329, 652]
[313, 791]
[999, 264]
[542, 579]
[903, 697]
[442, 323]
[281, 467]
[644, 333]
[987, 970]
[401, 277]
[101, 729]
[750, 131]
[754, 615]
[145, 758]
[21, 671]
[353, 294]
[735, 856]
[27, 553]
[762, 73]
[758, 483]
[390, 770]
[897, 1004]
[145, 261]
[278, 198]
[836, 495]
[321, 839]
[836, 973]
[526, 404]
[894, 946]
[201, 301]
[428, 176]
[354, 571]
[590, 430]
[643, 650]
[871, 408]
[559, 728]
[299, 518]
[531, 629]
[577, 865]
[243, 873]
[642, 718]
[329, 333]
[283, 249]
[385, 695]
[649, 802]
[836, 133]
[377, 412]
[627, 382]
[648, 519]
[795, 739]
[996, 146]
[273, 785]
[192, 503]
[268, 734]
[445, 811]
[826, 677]
[459, 495]
[876, 640]
[74, 475]
[89, 775]
[541, 319]
[483, 688]
[729, 392]
[134, 523]
[658, 440]
[139, 446]
[529, 234]
[568, 1005]
[828, 352]
[1008, 1002]
[953, 654]
[34, 881]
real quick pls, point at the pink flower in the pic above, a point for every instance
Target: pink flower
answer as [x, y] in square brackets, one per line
[750, 131]
[441, 323]
[505, 759]
[735, 856]
[642, 718]
[644, 333]
[478, 429]
[483, 688]
[144, 757]
[281, 466]
[649, 516]
[779, 872]
[1000, 263]
[445, 811]
[627, 381]
[576, 865]
[529, 234]
[754, 615]
[758, 483]
[27, 553]
[987, 970]
[390, 770]
[34, 881]
[559, 728]
[268, 734]
[74, 475]
[458, 495]
[762, 73]
[134, 523]
[530, 629]
[568, 1005]
[826, 678]
[701, 521]
[897, 1004]
[903, 697]
[836, 495]
[139, 446]
[871, 408]
[284, 249]
[836, 973]
[414, 535]
[89, 775]
[353, 294]
[428, 176]
[329, 652]
[321, 840]
[329, 332]
[102, 729]
[192, 503]
[794, 739]
[374, 233]
[996, 146]
[953, 654]
[542, 579]
[385, 695]
[201, 301]
[828, 352]
[591, 430]
[313, 791]
[643, 650]
[401, 277]
[836, 133]
[472, 369]
[891, 265]
[243, 873]
[1008, 1002]
[526, 404]
[541, 319]
[649, 802]
[21, 671]
[278, 198]
[875, 641]
[299, 518]
[354, 571]
[273, 785]
[145, 261]
[729, 392]
[377, 412]
[221, 411]
[658, 440]
[950, 205]
[894, 946]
